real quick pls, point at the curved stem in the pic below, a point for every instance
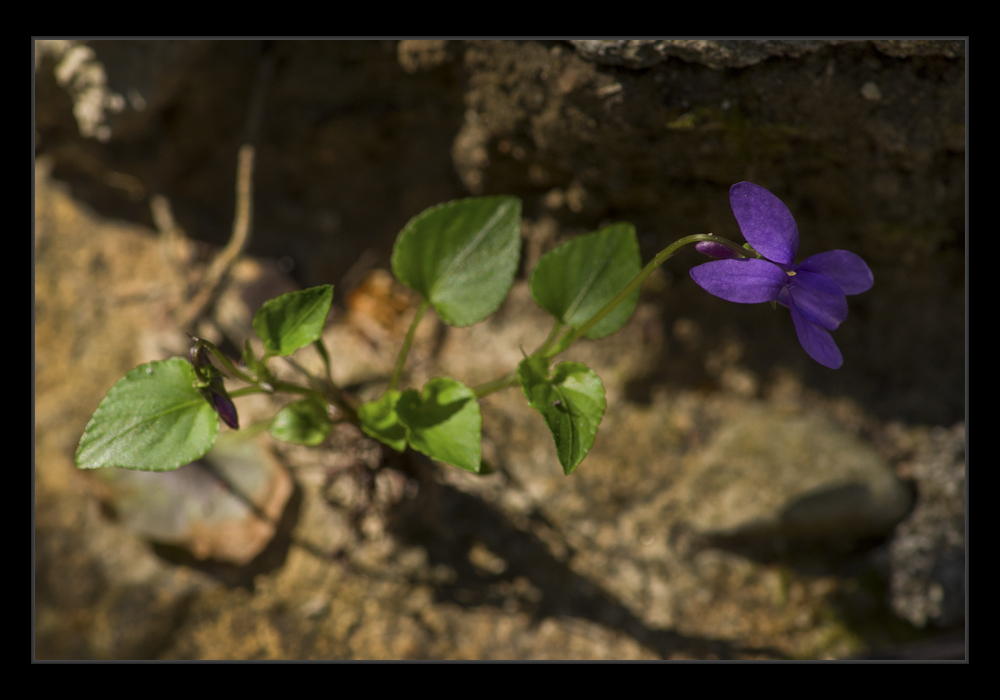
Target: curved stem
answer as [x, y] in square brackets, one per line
[221, 266]
[246, 391]
[330, 391]
[664, 255]
[550, 348]
[504, 382]
[553, 334]
[403, 351]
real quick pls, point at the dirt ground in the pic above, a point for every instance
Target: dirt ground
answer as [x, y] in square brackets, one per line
[651, 549]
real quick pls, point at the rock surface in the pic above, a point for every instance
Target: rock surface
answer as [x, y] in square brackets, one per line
[643, 53]
[380, 555]
[865, 141]
[223, 507]
[927, 553]
[769, 475]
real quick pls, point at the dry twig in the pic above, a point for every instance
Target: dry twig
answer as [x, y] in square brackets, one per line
[208, 290]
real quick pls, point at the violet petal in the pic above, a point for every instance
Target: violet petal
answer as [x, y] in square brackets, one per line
[816, 340]
[784, 298]
[742, 281]
[226, 409]
[845, 269]
[818, 299]
[765, 222]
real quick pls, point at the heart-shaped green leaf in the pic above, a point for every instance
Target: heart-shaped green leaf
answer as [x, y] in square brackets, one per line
[293, 320]
[152, 419]
[571, 401]
[304, 422]
[443, 421]
[379, 420]
[575, 280]
[461, 256]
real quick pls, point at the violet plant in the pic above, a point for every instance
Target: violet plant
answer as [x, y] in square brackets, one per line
[461, 257]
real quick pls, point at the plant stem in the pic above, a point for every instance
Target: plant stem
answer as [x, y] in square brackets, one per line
[330, 391]
[664, 255]
[290, 388]
[504, 382]
[403, 351]
[246, 391]
[550, 348]
[553, 334]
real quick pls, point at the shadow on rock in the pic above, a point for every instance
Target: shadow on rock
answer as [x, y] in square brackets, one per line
[498, 564]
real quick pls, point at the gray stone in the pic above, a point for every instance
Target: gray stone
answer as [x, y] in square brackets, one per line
[719, 54]
[224, 507]
[643, 53]
[767, 475]
[949, 48]
[927, 552]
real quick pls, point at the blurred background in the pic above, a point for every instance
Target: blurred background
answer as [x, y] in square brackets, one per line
[741, 501]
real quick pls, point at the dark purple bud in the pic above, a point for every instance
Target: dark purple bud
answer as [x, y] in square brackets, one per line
[226, 409]
[215, 393]
[716, 250]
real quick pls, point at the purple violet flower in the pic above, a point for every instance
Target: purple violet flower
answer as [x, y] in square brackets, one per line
[814, 290]
[225, 407]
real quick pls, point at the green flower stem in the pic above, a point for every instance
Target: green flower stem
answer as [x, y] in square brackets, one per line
[322, 394]
[550, 348]
[290, 388]
[504, 382]
[571, 337]
[246, 391]
[556, 330]
[329, 391]
[401, 360]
